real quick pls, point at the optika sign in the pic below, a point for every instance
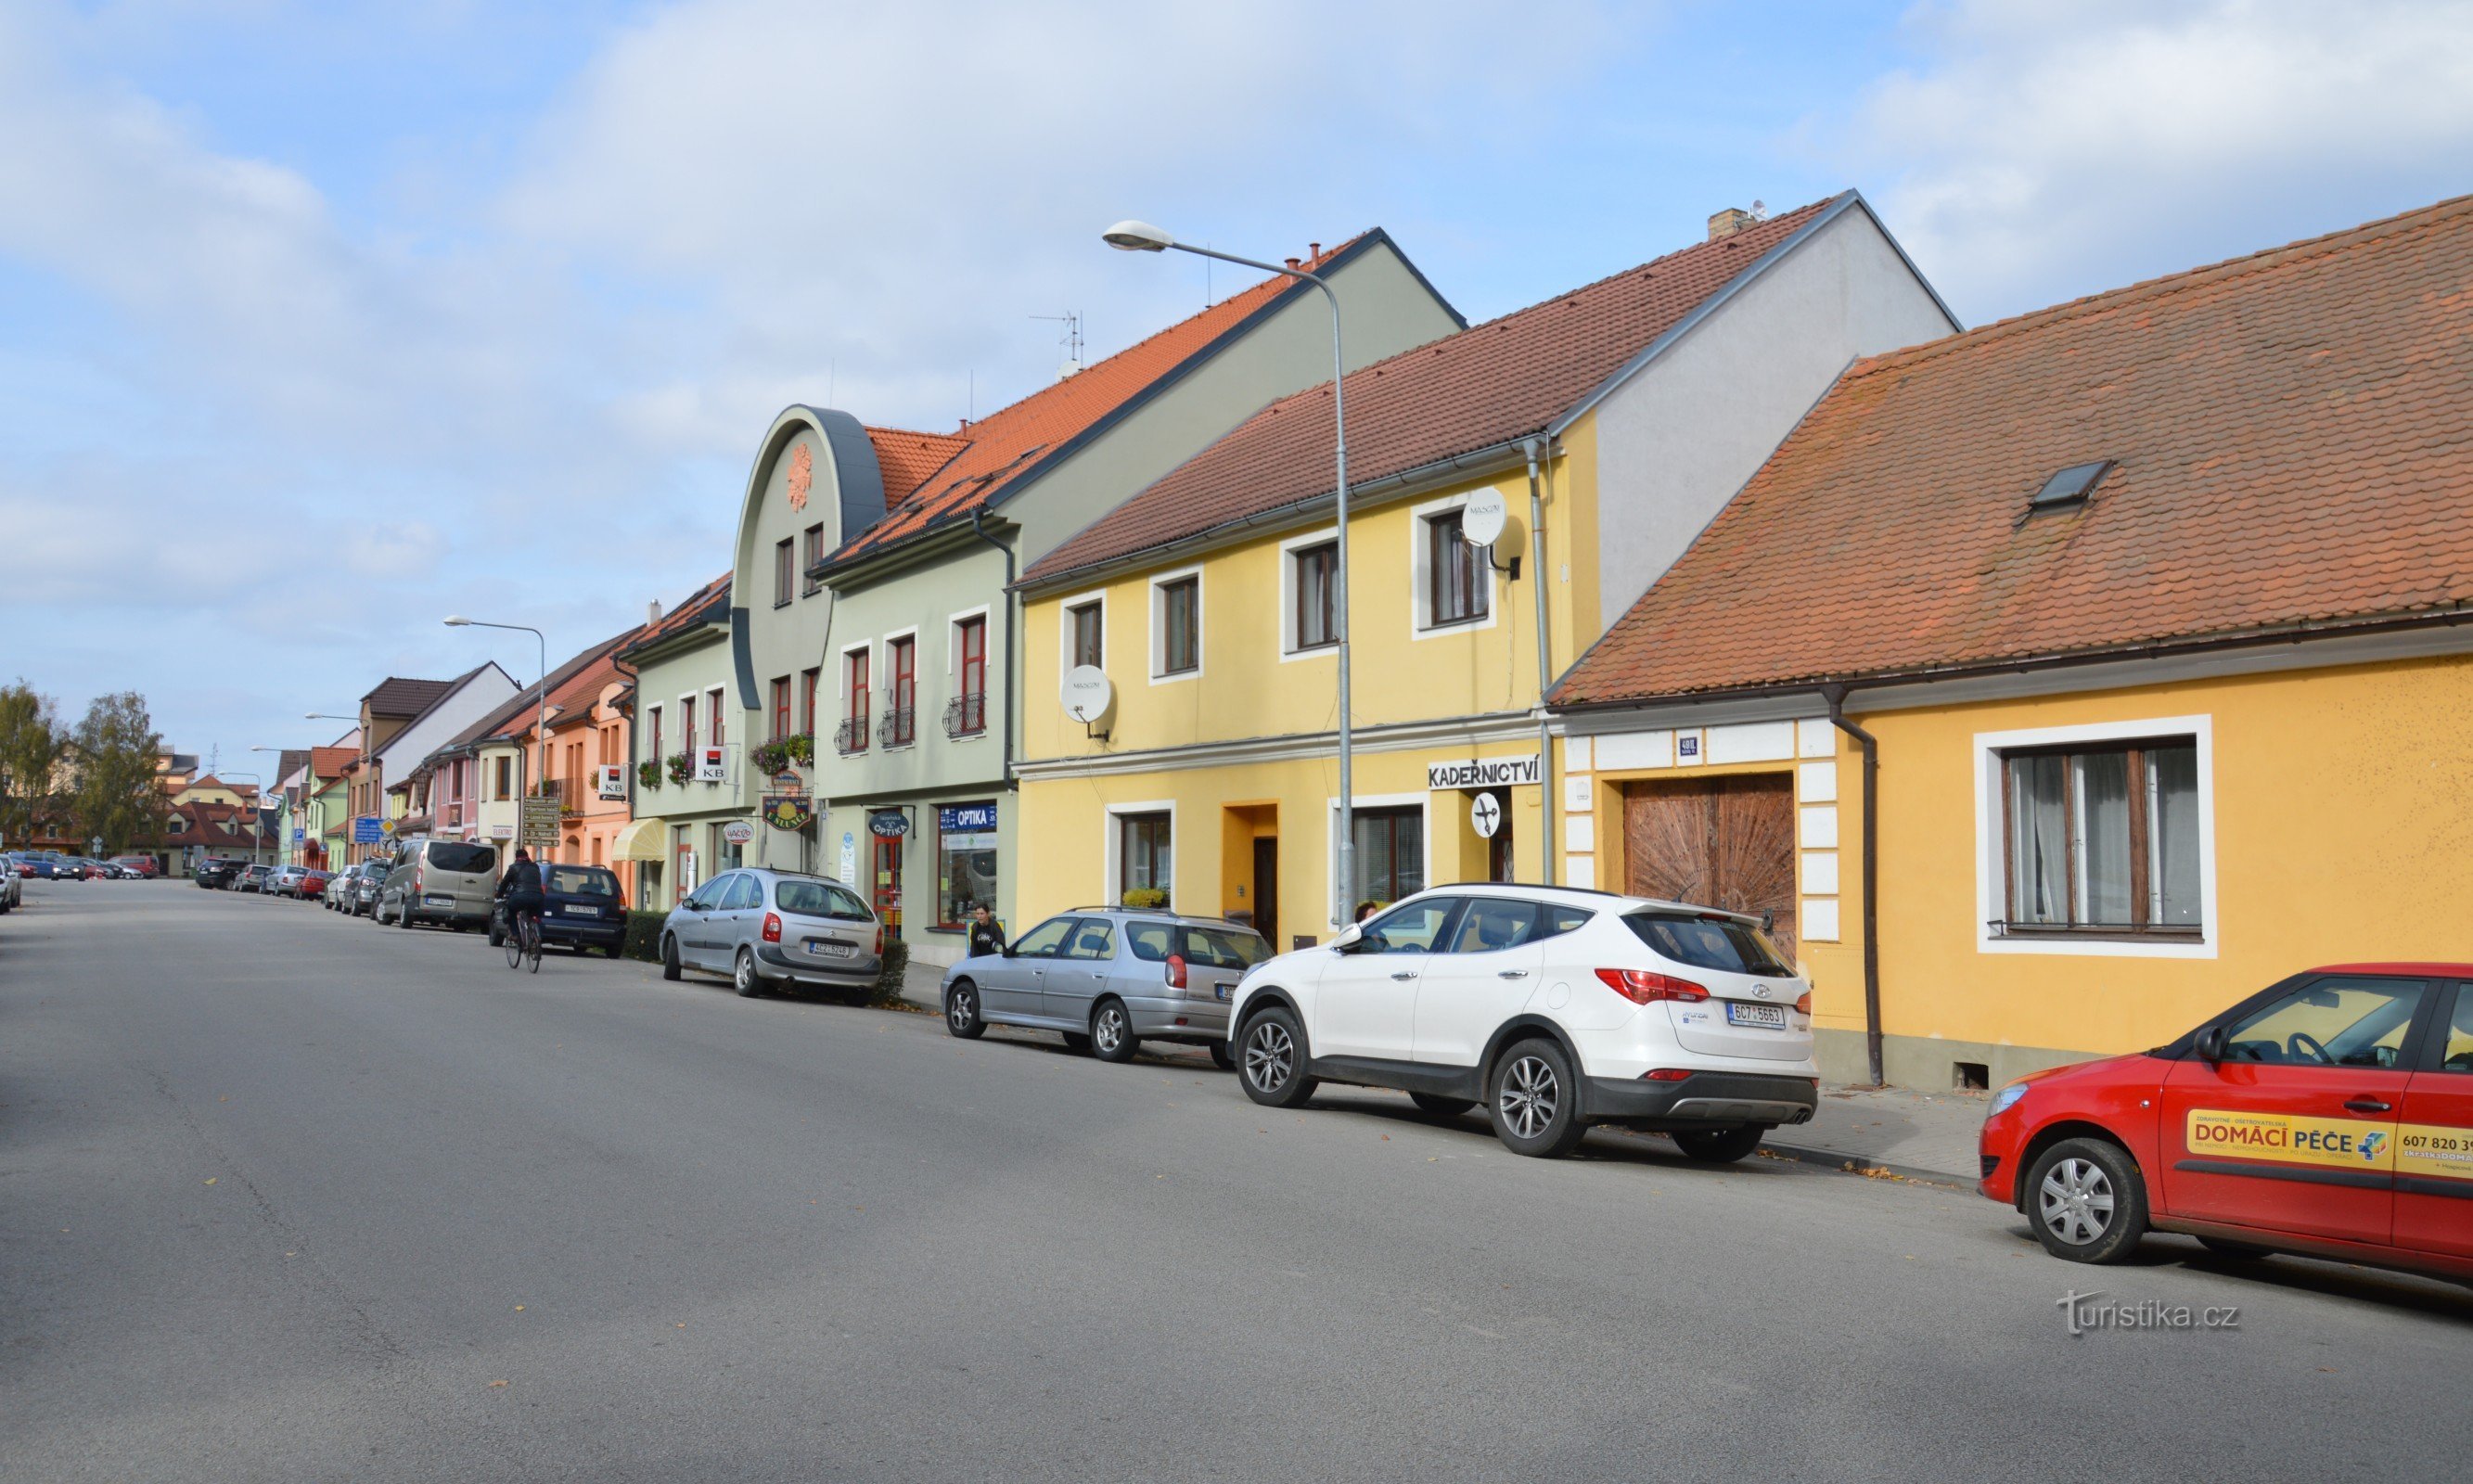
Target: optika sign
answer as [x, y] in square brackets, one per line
[1483, 773]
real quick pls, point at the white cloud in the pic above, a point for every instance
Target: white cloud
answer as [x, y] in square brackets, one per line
[2052, 148]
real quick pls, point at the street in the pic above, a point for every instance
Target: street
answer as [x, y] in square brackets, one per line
[290, 1197]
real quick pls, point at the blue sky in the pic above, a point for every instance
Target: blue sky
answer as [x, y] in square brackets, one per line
[320, 321]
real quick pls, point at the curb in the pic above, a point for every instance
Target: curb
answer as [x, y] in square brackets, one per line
[1871, 1169]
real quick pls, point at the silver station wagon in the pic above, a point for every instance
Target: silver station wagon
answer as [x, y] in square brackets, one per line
[1108, 978]
[772, 929]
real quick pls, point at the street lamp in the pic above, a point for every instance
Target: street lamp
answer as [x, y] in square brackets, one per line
[1143, 237]
[540, 724]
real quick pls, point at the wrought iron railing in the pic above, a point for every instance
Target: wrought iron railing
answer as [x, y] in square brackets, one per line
[851, 736]
[897, 727]
[966, 715]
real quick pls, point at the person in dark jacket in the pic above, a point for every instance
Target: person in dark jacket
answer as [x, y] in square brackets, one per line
[521, 888]
[987, 934]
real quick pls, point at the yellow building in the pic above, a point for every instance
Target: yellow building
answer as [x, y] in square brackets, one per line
[2149, 609]
[1194, 626]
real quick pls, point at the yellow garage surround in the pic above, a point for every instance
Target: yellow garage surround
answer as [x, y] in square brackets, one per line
[640, 840]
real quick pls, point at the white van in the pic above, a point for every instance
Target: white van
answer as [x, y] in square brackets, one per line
[449, 881]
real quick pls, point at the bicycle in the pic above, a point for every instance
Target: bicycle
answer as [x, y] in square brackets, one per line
[523, 941]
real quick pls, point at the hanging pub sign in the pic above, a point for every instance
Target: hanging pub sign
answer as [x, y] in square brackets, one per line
[888, 823]
[789, 811]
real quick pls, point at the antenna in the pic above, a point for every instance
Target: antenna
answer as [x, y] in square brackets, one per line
[1069, 339]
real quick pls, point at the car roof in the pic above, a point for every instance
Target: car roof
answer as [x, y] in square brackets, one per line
[1154, 913]
[2415, 970]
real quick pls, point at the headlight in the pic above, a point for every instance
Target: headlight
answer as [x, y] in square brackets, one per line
[2006, 1099]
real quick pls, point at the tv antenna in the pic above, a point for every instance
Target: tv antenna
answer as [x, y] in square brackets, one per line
[1069, 339]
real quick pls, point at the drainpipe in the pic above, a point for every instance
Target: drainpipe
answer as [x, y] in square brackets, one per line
[1549, 813]
[1013, 614]
[1836, 696]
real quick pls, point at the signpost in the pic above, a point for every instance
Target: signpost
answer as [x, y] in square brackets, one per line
[540, 818]
[367, 829]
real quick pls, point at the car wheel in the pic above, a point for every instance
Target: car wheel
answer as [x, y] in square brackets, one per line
[1112, 1033]
[1718, 1146]
[1535, 1101]
[671, 968]
[1271, 1059]
[613, 951]
[1441, 1106]
[743, 976]
[2244, 1251]
[2086, 1201]
[1221, 1056]
[962, 1012]
[403, 914]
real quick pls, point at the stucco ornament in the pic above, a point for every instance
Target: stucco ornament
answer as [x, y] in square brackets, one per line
[801, 475]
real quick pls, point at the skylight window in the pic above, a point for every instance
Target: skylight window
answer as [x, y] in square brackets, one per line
[2070, 486]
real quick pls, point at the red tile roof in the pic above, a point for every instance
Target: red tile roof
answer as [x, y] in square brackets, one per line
[708, 603]
[2290, 431]
[1486, 386]
[1005, 445]
[327, 763]
[396, 696]
[907, 460]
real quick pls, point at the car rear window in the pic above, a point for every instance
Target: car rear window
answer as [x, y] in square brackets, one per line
[1721, 944]
[583, 881]
[455, 855]
[820, 900]
[1207, 948]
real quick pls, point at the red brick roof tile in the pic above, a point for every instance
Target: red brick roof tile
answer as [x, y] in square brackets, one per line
[1488, 385]
[2290, 437]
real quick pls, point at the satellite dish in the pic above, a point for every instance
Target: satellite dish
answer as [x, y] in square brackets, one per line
[1482, 517]
[1087, 693]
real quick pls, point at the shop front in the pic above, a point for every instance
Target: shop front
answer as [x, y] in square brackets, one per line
[925, 866]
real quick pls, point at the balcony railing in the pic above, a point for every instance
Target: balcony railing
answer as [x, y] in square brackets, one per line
[851, 736]
[966, 715]
[897, 727]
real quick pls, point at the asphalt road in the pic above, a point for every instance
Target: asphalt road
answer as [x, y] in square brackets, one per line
[285, 1196]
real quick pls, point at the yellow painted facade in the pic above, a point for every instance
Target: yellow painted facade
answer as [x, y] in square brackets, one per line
[1255, 722]
[2337, 817]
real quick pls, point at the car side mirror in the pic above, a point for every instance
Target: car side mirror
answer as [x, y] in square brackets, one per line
[1346, 939]
[1008, 952]
[2208, 1045]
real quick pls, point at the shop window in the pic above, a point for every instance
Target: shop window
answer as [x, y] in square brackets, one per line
[2102, 839]
[965, 861]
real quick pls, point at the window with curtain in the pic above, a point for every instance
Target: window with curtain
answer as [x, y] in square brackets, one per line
[2104, 840]
[1390, 852]
[1145, 853]
[1456, 591]
[1315, 577]
[1180, 605]
[1090, 645]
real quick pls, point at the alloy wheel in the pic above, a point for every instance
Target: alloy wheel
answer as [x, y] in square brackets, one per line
[963, 1010]
[1270, 1057]
[2076, 1200]
[1529, 1096]
[1109, 1032]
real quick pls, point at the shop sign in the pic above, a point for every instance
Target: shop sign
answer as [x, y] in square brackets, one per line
[849, 858]
[738, 831]
[789, 811]
[966, 818]
[1483, 773]
[1485, 815]
[712, 765]
[888, 823]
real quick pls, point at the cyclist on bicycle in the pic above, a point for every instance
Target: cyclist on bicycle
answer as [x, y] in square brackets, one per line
[521, 888]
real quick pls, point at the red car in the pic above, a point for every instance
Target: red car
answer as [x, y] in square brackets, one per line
[143, 865]
[2330, 1114]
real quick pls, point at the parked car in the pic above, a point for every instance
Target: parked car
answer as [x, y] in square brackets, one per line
[581, 908]
[2329, 1115]
[140, 867]
[214, 874]
[1556, 1008]
[769, 929]
[14, 864]
[253, 878]
[312, 885]
[446, 881]
[84, 868]
[1108, 978]
[48, 865]
[12, 886]
[365, 887]
[284, 881]
[338, 895]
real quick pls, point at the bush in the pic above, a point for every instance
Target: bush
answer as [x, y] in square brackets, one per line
[889, 977]
[1145, 897]
[644, 936]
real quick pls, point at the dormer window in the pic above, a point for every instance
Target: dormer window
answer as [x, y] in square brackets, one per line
[2070, 487]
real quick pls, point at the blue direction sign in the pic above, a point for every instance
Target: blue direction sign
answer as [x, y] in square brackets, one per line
[364, 829]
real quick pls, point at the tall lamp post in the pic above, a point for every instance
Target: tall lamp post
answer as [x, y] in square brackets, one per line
[540, 724]
[1132, 236]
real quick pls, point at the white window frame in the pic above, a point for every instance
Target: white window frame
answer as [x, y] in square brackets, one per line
[1289, 550]
[841, 674]
[1112, 847]
[1421, 617]
[1065, 630]
[1159, 625]
[1423, 800]
[1992, 844]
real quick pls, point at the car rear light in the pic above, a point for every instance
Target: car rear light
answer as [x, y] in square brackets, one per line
[879, 940]
[1176, 970]
[1666, 1074]
[772, 927]
[1642, 986]
[1803, 1002]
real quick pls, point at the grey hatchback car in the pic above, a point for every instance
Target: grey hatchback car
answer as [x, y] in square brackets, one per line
[1107, 979]
[774, 929]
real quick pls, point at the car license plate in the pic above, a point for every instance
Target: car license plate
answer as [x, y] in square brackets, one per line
[823, 949]
[1223, 993]
[1771, 1017]
[438, 901]
[583, 912]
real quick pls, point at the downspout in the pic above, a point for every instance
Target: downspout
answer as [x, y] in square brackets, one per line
[1549, 814]
[1836, 696]
[1013, 614]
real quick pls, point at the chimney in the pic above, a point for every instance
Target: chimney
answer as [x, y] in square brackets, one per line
[652, 613]
[1313, 252]
[1294, 262]
[1727, 223]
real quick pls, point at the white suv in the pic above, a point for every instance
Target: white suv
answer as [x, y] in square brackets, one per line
[1557, 1008]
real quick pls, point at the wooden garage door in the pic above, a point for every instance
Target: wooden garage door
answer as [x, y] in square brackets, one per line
[1714, 842]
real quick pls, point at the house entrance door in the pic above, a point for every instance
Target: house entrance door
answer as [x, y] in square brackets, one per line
[888, 882]
[1266, 889]
[1726, 843]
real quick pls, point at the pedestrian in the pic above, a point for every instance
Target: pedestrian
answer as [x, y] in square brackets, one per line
[1367, 909]
[987, 934]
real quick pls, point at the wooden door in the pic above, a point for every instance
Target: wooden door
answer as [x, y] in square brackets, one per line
[1726, 843]
[1266, 889]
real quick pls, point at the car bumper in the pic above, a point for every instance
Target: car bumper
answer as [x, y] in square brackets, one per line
[1703, 1100]
[848, 974]
[1175, 1019]
[597, 931]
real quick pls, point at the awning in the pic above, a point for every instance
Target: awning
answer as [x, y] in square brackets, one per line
[640, 840]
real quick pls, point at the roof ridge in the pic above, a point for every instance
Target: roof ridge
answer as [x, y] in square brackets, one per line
[2162, 285]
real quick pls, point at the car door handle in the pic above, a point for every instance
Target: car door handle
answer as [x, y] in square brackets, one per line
[2368, 1105]
[1512, 973]
[1406, 974]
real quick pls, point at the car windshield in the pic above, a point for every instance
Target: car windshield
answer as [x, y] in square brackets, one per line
[1723, 944]
[583, 881]
[1204, 948]
[820, 900]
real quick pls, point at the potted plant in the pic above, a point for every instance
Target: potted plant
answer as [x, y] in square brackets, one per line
[648, 773]
[803, 747]
[770, 757]
[1147, 896]
[679, 766]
